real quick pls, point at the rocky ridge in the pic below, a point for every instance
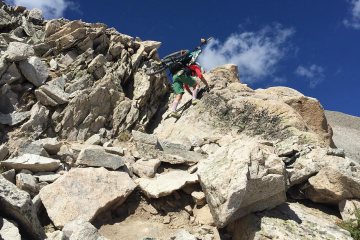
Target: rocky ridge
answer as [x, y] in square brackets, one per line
[87, 151]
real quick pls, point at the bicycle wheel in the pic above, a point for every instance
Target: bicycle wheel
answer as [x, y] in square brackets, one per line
[175, 55]
[158, 68]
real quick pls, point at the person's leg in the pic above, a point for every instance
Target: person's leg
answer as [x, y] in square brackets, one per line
[179, 91]
[196, 88]
[176, 102]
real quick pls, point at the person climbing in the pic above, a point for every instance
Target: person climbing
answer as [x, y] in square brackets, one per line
[196, 71]
[185, 73]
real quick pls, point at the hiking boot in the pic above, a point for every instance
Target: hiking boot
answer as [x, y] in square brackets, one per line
[175, 115]
[195, 101]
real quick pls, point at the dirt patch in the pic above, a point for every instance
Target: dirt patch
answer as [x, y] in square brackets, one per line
[142, 218]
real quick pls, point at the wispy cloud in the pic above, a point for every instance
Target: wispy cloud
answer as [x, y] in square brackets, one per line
[354, 20]
[51, 8]
[257, 54]
[314, 74]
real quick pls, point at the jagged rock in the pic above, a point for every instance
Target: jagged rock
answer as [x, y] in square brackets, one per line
[86, 114]
[51, 95]
[53, 65]
[4, 151]
[34, 70]
[27, 183]
[331, 185]
[52, 27]
[95, 188]
[98, 157]
[17, 204]
[14, 118]
[166, 183]
[11, 75]
[150, 45]
[34, 163]
[9, 230]
[18, 51]
[136, 58]
[289, 221]
[47, 176]
[51, 145]
[38, 121]
[146, 167]
[31, 148]
[9, 175]
[94, 140]
[80, 229]
[35, 15]
[96, 63]
[348, 209]
[246, 171]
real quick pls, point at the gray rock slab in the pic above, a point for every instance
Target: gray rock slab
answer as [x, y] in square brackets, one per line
[28, 183]
[55, 93]
[83, 193]
[34, 163]
[45, 99]
[166, 183]
[47, 176]
[4, 151]
[51, 145]
[9, 175]
[11, 75]
[94, 140]
[17, 204]
[14, 118]
[19, 51]
[98, 157]
[146, 167]
[34, 70]
[144, 138]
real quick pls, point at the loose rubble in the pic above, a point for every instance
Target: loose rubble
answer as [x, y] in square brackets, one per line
[86, 150]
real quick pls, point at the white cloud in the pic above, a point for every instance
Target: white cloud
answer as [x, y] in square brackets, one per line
[257, 54]
[314, 74]
[354, 20]
[50, 8]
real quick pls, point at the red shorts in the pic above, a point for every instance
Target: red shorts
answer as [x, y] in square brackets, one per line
[195, 71]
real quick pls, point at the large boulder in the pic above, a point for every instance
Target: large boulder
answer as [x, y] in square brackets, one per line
[34, 70]
[18, 205]
[233, 107]
[19, 51]
[84, 193]
[333, 185]
[241, 178]
[289, 221]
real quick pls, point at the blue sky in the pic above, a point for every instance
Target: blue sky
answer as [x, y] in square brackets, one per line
[309, 45]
